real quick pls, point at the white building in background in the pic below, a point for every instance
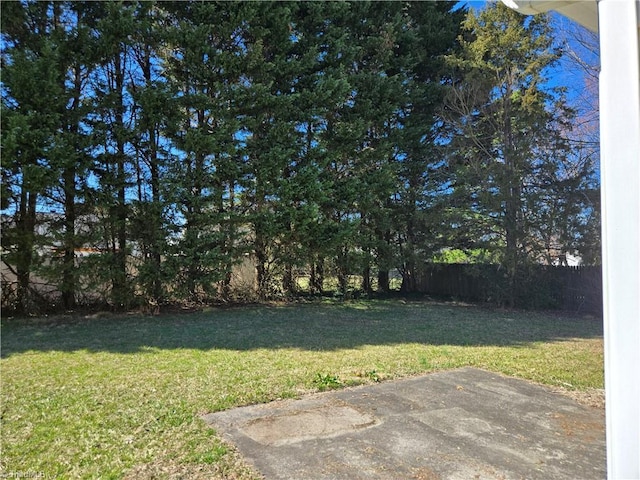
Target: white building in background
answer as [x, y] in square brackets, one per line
[618, 25]
[568, 260]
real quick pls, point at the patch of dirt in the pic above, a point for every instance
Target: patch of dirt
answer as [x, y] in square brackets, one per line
[593, 397]
[590, 398]
[175, 471]
[230, 467]
[586, 430]
[424, 473]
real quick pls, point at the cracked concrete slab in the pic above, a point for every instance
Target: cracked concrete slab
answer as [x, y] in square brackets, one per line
[460, 424]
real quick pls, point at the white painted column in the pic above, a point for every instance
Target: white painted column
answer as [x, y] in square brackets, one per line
[620, 187]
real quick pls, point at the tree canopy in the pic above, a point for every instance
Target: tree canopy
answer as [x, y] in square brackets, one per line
[150, 150]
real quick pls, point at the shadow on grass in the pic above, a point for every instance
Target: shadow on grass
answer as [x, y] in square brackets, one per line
[315, 327]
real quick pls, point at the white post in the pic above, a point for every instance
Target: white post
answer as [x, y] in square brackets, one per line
[620, 186]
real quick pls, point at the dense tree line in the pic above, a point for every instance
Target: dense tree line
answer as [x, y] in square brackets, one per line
[172, 141]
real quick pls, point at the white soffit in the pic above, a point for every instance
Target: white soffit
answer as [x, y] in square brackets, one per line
[585, 12]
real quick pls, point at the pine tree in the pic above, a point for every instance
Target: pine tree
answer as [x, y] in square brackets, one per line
[268, 118]
[202, 175]
[177, 137]
[112, 125]
[154, 110]
[430, 34]
[70, 159]
[37, 128]
[511, 159]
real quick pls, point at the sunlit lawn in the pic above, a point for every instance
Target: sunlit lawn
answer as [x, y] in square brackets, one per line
[113, 397]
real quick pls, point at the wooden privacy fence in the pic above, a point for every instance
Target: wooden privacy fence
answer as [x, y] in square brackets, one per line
[576, 289]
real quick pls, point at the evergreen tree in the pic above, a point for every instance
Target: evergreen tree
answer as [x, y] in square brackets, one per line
[321, 85]
[511, 162]
[112, 124]
[376, 87]
[176, 137]
[39, 129]
[70, 159]
[203, 72]
[154, 110]
[430, 34]
[268, 119]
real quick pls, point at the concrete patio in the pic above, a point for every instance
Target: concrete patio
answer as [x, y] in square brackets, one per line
[460, 424]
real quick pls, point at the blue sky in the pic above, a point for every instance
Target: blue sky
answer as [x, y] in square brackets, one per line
[580, 88]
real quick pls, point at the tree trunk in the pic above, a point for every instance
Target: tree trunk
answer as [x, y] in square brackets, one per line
[261, 266]
[343, 274]
[288, 283]
[25, 223]
[512, 203]
[156, 207]
[68, 288]
[408, 278]
[366, 280]
[316, 283]
[121, 294]
[383, 281]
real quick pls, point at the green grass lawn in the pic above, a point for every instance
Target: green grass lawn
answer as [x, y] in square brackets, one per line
[114, 397]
